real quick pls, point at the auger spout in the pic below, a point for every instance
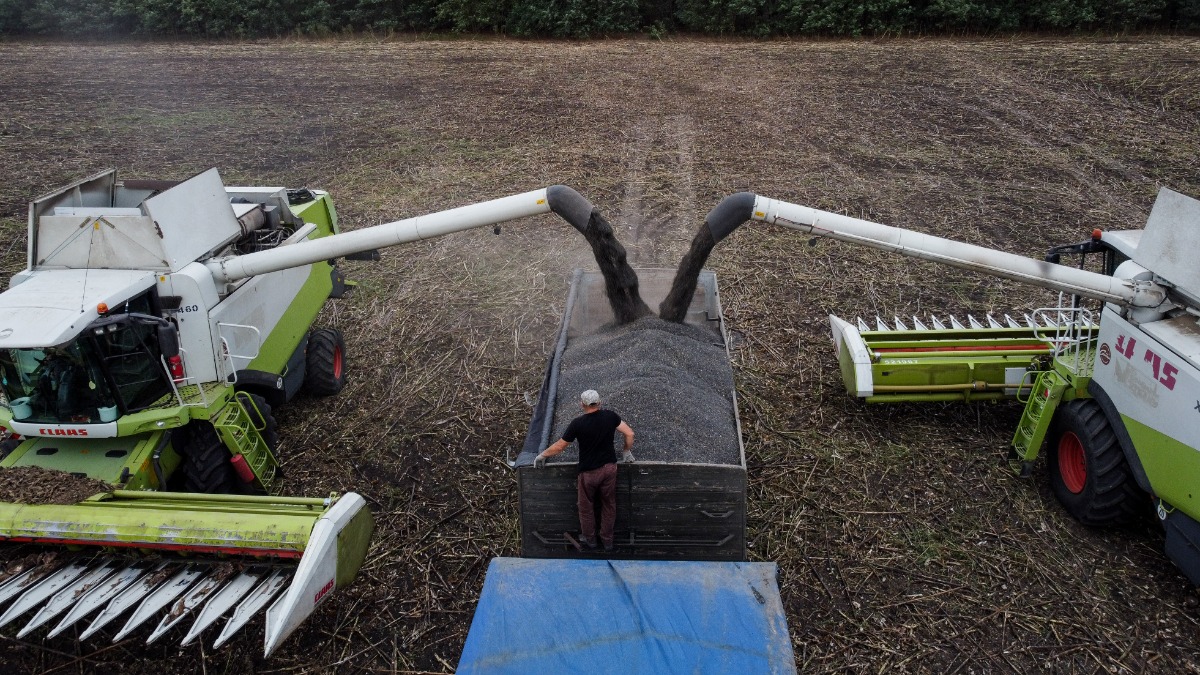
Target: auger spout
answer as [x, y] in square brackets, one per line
[432, 225]
[572, 207]
[1126, 292]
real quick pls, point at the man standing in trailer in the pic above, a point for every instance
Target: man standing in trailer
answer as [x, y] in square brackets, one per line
[594, 430]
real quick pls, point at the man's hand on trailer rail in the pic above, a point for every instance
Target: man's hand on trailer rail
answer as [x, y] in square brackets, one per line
[555, 448]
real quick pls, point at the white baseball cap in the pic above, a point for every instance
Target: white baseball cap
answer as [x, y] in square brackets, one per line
[590, 397]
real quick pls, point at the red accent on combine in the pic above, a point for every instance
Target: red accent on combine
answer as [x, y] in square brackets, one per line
[323, 592]
[62, 432]
[244, 472]
[980, 348]
[176, 365]
[1071, 465]
[190, 548]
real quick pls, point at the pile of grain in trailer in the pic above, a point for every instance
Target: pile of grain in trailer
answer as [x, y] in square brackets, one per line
[685, 497]
[670, 381]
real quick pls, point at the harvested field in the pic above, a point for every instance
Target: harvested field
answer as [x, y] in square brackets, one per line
[35, 485]
[904, 543]
[21, 562]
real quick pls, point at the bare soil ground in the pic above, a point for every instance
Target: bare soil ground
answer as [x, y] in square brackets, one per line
[904, 543]
[35, 485]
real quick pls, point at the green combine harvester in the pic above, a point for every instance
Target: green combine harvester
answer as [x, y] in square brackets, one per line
[142, 351]
[1112, 389]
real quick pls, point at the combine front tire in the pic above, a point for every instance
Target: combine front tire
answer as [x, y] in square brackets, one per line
[1088, 471]
[8, 445]
[325, 365]
[205, 468]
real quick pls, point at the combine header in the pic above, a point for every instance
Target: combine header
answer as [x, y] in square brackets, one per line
[250, 550]
[141, 353]
[952, 360]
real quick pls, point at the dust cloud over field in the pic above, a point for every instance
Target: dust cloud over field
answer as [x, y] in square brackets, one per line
[904, 543]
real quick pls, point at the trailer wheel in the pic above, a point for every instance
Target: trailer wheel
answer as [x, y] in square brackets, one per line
[1088, 471]
[325, 364]
[205, 468]
[270, 428]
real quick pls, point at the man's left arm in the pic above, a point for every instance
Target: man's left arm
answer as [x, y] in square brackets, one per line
[627, 432]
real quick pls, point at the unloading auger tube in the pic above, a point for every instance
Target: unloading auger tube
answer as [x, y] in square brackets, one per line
[740, 207]
[560, 199]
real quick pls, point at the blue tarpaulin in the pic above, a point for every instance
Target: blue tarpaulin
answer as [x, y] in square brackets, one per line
[625, 616]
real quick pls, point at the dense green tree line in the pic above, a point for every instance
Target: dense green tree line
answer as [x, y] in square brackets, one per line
[584, 18]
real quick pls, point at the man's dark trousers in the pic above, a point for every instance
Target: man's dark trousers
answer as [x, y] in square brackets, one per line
[598, 483]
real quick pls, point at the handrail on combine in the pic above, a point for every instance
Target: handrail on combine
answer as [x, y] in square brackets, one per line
[178, 386]
[1071, 331]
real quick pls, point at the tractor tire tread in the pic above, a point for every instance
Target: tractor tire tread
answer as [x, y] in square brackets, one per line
[325, 364]
[206, 468]
[1110, 495]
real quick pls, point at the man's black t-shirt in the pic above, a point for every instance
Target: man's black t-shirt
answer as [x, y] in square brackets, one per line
[594, 431]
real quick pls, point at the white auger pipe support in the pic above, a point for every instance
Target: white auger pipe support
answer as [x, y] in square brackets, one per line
[558, 198]
[745, 205]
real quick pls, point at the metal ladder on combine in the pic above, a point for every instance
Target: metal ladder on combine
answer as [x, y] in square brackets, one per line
[1048, 391]
[1072, 332]
[244, 438]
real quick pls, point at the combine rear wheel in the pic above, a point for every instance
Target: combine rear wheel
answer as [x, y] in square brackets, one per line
[1088, 471]
[205, 466]
[325, 365]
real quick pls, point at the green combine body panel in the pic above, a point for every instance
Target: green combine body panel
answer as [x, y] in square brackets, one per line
[108, 459]
[301, 313]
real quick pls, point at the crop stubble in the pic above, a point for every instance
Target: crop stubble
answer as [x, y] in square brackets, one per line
[35, 485]
[903, 543]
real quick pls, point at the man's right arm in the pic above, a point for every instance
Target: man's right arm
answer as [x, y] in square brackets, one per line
[555, 448]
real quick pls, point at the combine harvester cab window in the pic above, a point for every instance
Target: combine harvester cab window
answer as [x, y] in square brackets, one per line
[131, 357]
[106, 371]
[55, 385]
